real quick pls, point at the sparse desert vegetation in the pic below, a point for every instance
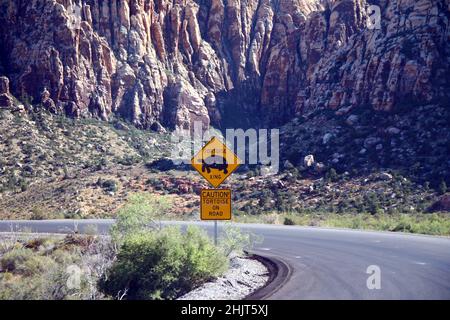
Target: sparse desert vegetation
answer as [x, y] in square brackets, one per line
[139, 260]
[55, 167]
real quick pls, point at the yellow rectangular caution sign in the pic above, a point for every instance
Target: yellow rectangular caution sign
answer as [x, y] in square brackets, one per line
[215, 204]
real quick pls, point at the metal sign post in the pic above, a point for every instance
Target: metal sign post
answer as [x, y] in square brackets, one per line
[215, 232]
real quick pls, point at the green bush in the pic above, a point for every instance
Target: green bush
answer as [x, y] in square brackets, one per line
[36, 265]
[163, 264]
[37, 213]
[14, 259]
[108, 185]
[139, 214]
[25, 262]
[233, 240]
[46, 273]
[49, 283]
[288, 221]
[331, 175]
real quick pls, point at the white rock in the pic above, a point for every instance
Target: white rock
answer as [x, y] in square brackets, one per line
[386, 176]
[393, 130]
[371, 141]
[308, 160]
[319, 167]
[327, 137]
[352, 119]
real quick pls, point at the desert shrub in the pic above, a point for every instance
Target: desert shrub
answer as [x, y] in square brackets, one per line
[37, 213]
[23, 184]
[372, 203]
[37, 243]
[108, 185]
[49, 284]
[101, 164]
[64, 257]
[128, 160]
[36, 265]
[288, 221]
[60, 272]
[234, 240]
[14, 259]
[163, 264]
[25, 262]
[331, 175]
[140, 213]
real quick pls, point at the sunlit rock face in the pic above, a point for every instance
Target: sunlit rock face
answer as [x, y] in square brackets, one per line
[229, 63]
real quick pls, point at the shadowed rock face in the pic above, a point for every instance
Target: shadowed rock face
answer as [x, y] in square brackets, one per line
[232, 63]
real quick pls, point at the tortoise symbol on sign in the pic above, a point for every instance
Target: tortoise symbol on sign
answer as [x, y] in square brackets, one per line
[215, 162]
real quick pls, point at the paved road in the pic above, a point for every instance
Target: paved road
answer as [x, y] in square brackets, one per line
[330, 263]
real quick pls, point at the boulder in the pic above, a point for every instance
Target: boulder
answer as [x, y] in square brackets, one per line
[327, 137]
[4, 85]
[308, 161]
[442, 204]
[319, 167]
[385, 176]
[157, 127]
[6, 100]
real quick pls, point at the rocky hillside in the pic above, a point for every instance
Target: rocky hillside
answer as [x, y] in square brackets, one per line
[225, 62]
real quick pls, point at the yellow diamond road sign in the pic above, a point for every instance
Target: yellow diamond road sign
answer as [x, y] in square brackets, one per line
[215, 162]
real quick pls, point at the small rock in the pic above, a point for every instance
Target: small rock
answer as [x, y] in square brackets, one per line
[319, 167]
[308, 160]
[4, 85]
[385, 176]
[327, 137]
[343, 111]
[288, 165]
[352, 120]
[121, 126]
[157, 127]
[371, 141]
[393, 130]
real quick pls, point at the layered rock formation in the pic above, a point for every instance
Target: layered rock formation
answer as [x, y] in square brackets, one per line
[335, 60]
[172, 62]
[6, 100]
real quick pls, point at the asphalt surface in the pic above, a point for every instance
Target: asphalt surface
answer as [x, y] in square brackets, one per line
[327, 263]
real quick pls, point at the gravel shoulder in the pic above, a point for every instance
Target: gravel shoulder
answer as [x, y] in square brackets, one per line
[245, 276]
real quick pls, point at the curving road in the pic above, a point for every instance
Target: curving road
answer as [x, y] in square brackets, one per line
[327, 263]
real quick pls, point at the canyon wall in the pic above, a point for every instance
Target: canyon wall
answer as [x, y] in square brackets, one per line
[225, 62]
